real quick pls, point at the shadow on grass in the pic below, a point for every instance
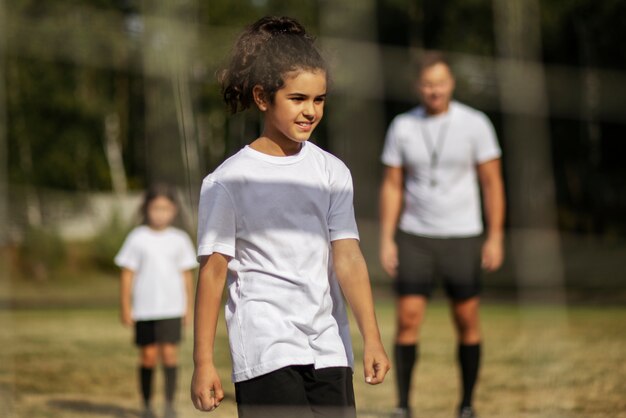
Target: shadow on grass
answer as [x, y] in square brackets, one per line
[87, 407]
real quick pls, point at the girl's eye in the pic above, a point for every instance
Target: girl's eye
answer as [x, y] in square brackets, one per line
[319, 100]
[297, 99]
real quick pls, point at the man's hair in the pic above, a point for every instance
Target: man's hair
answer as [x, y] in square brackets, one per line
[429, 59]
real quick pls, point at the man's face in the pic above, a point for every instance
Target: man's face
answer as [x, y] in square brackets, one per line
[435, 87]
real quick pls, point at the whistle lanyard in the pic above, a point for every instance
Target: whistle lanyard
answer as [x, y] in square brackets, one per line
[434, 148]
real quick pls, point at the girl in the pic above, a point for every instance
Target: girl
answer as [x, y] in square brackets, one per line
[277, 220]
[157, 262]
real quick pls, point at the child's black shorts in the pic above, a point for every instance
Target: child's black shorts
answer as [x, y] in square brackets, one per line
[158, 331]
[455, 260]
[297, 392]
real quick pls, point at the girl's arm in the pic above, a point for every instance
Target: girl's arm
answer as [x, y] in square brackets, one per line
[353, 278]
[126, 284]
[206, 387]
[188, 278]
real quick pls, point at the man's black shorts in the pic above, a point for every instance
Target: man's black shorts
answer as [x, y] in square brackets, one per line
[455, 260]
[158, 331]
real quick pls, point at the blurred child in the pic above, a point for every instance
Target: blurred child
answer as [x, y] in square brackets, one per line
[277, 219]
[157, 260]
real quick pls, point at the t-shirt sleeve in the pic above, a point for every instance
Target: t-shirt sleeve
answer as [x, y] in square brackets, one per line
[216, 220]
[187, 259]
[129, 256]
[486, 145]
[392, 152]
[341, 221]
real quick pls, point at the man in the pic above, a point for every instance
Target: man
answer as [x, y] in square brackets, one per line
[436, 156]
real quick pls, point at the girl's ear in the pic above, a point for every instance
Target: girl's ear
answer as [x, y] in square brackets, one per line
[259, 97]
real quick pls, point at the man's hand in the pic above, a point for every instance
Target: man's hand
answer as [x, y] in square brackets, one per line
[389, 257]
[492, 254]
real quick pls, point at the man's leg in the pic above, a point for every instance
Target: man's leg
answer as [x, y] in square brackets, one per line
[410, 315]
[467, 323]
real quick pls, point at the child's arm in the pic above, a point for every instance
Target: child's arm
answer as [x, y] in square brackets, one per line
[353, 278]
[126, 283]
[206, 387]
[188, 278]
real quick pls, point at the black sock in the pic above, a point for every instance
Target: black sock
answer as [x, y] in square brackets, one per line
[170, 382]
[145, 378]
[405, 356]
[469, 359]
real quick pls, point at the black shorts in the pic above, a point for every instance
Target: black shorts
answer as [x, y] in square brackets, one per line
[455, 260]
[298, 391]
[158, 331]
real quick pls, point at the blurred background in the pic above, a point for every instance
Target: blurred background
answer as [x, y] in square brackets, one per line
[100, 98]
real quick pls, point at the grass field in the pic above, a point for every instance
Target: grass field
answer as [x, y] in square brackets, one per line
[539, 361]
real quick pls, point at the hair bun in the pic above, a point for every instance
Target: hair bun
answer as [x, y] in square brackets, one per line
[273, 25]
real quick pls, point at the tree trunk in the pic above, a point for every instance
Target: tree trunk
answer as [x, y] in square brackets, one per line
[172, 152]
[534, 237]
[113, 153]
[356, 123]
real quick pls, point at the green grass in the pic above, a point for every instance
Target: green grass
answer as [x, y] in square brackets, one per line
[539, 361]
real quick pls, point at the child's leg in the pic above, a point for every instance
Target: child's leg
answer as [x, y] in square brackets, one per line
[169, 357]
[330, 392]
[168, 335]
[279, 394]
[148, 361]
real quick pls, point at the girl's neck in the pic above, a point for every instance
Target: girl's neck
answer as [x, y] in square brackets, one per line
[275, 148]
[157, 228]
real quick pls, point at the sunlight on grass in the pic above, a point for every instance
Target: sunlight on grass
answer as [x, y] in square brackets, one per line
[81, 362]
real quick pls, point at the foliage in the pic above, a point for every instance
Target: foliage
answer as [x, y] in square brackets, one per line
[60, 90]
[107, 242]
[41, 252]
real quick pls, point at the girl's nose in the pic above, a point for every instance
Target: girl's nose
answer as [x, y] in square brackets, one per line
[309, 111]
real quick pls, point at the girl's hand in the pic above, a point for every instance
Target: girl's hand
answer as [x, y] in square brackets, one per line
[126, 318]
[375, 363]
[206, 388]
[389, 257]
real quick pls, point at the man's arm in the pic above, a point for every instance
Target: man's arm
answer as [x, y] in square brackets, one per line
[490, 177]
[390, 206]
[206, 387]
[353, 278]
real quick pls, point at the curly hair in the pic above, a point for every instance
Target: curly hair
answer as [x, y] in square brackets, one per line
[264, 53]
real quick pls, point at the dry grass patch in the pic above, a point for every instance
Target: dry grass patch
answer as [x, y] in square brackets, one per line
[539, 361]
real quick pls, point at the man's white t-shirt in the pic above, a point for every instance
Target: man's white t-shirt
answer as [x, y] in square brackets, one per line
[158, 259]
[441, 201]
[276, 217]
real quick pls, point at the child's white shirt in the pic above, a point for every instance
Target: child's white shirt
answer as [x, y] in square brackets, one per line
[158, 260]
[463, 137]
[276, 217]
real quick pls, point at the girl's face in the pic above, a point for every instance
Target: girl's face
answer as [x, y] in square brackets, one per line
[297, 109]
[161, 212]
[435, 87]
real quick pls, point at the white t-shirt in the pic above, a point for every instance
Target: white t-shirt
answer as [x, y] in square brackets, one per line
[277, 216]
[444, 200]
[158, 259]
